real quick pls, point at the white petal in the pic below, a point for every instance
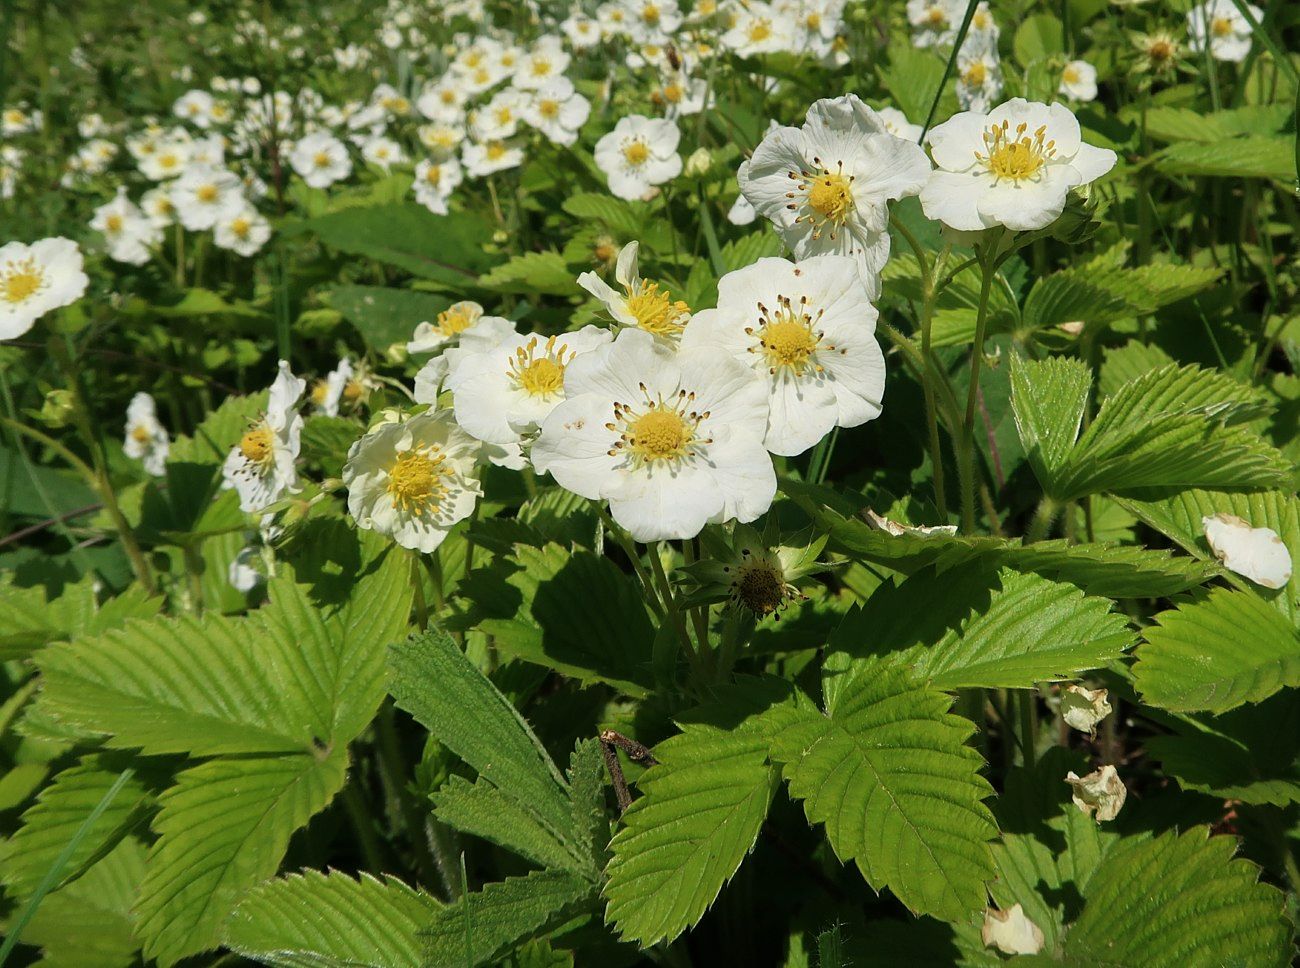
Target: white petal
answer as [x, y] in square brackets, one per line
[1254, 553]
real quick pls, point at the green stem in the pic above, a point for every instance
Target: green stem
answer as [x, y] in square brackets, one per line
[1027, 700]
[359, 814]
[393, 763]
[417, 588]
[670, 604]
[966, 449]
[1044, 516]
[930, 375]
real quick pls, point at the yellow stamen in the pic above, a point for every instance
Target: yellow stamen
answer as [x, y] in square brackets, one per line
[415, 481]
[21, 280]
[788, 338]
[656, 311]
[540, 376]
[257, 445]
[1015, 157]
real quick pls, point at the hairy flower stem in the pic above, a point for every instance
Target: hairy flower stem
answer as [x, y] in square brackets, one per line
[966, 439]
[670, 604]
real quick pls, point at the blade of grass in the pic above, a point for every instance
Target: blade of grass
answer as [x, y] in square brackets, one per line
[53, 875]
[947, 68]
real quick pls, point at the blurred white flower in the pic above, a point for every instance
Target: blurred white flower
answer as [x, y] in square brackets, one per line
[638, 154]
[261, 466]
[146, 439]
[321, 159]
[245, 231]
[1222, 25]
[35, 279]
[1079, 81]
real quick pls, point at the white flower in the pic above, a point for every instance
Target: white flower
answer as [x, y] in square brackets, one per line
[896, 123]
[194, 107]
[156, 204]
[543, 64]
[558, 111]
[1100, 794]
[1222, 24]
[979, 81]
[672, 440]
[641, 304]
[261, 466]
[166, 159]
[320, 159]
[758, 28]
[483, 333]
[1079, 81]
[507, 391]
[741, 211]
[1254, 553]
[35, 279]
[1084, 708]
[451, 322]
[826, 186]
[127, 232]
[413, 479]
[681, 94]
[982, 36]
[582, 32]
[242, 573]
[481, 160]
[639, 153]
[500, 117]
[444, 101]
[204, 196]
[434, 183]
[1011, 932]
[327, 392]
[441, 138]
[934, 22]
[146, 439]
[650, 21]
[808, 332]
[1014, 166]
[245, 231]
[383, 152]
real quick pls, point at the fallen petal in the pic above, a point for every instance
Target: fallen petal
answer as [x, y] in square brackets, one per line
[1011, 932]
[1254, 553]
[1100, 794]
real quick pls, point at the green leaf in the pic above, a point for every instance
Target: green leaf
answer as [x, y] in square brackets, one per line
[1171, 427]
[485, 925]
[385, 316]
[587, 793]
[1254, 156]
[1039, 38]
[912, 76]
[1166, 123]
[319, 920]
[205, 302]
[89, 922]
[1251, 753]
[1128, 362]
[888, 771]
[1227, 649]
[532, 272]
[1173, 900]
[699, 814]
[623, 217]
[446, 248]
[223, 828]
[1099, 292]
[294, 676]
[1179, 517]
[29, 619]
[482, 809]
[219, 431]
[748, 249]
[1049, 399]
[574, 612]
[326, 440]
[50, 823]
[974, 626]
[435, 682]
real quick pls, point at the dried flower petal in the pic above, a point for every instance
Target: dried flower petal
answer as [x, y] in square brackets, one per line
[1084, 708]
[1011, 932]
[1254, 553]
[1100, 794]
[882, 523]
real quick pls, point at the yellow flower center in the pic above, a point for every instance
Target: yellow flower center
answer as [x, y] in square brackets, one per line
[353, 391]
[673, 93]
[206, 193]
[322, 159]
[636, 153]
[936, 17]
[830, 194]
[1221, 26]
[456, 319]
[21, 280]
[447, 96]
[980, 21]
[1070, 75]
[256, 445]
[415, 481]
[662, 431]
[433, 175]
[241, 227]
[650, 14]
[504, 116]
[760, 30]
[1015, 157]
[656, 311]
[787, 338]
[540, 376]
[168, 161]
[140, 434]
[541, 67]
[548, 108]
[320, 392]
[113, 224]
[975, 75]
[495, 151]
[813, 21]
[1161, 51]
